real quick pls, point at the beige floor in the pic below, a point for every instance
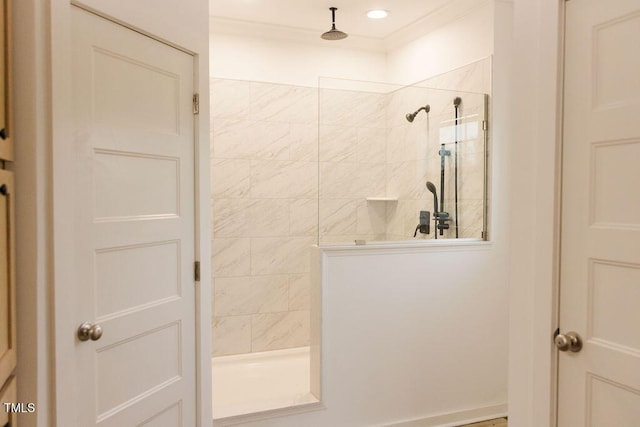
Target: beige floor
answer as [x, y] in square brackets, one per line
[500, 422]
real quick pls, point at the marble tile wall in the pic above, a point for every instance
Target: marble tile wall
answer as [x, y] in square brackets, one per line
[264, 199]
[293, 165]
[369, 149]
[407, 177]
[352, 152]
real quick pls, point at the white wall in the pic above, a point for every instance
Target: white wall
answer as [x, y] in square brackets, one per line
[278, 61]
[414, 333]
[458, 43]
[275, 60]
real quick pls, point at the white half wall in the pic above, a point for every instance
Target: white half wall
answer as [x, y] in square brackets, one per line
[411, 335]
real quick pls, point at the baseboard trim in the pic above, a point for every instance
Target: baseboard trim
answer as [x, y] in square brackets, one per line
[264, 415]
[453, 419]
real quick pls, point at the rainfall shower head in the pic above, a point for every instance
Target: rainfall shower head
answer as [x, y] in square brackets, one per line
[334, 34]
[411, 116]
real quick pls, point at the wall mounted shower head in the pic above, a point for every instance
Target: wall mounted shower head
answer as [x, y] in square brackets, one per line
[411, 116]
[457, 101]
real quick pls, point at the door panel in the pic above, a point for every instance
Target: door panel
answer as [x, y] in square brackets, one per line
[117, 291]
[135, 185]
[611, 404]
[134, 226]
[600, 259]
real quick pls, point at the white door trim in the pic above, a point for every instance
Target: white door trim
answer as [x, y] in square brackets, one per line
[535, 155]
[62, 205]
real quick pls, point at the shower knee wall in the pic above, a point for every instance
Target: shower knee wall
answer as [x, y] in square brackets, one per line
[407, 336]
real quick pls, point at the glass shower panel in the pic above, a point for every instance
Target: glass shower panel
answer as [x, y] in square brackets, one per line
[400, 163]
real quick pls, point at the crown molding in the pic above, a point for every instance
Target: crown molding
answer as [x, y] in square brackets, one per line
[236, 27]
[446, 14]
[450, 12]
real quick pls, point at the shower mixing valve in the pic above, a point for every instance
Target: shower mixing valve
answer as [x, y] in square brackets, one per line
[423, 227]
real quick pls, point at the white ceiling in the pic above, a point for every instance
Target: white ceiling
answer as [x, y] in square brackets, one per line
[315, 14]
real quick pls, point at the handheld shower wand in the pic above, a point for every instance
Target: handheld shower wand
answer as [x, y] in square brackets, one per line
[434, 191]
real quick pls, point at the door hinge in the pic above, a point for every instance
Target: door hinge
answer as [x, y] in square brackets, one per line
[196, 103]
[196, 271]
[485, 125]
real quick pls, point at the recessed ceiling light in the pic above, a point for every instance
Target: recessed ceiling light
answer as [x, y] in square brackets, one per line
[377, 14]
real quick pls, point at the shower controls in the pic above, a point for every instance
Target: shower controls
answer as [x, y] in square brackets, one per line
[424, 227]
[440, 219]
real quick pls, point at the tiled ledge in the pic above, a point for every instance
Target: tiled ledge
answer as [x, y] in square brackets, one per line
[340, 249]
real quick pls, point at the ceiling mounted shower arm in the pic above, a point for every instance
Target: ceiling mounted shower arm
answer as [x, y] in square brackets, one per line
[333, 33]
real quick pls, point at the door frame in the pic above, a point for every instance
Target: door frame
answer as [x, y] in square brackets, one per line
[534, 232]
[62, 245]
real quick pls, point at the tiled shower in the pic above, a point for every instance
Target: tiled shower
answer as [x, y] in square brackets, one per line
[264, 201]
[295, 166]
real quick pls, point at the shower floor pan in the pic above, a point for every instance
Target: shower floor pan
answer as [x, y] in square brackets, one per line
[256, 382]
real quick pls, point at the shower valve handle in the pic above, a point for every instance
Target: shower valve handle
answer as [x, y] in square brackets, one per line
[424, 226]
[441, 216]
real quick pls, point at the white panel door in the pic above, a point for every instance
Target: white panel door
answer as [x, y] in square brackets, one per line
[134, 228]
[600, 258]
